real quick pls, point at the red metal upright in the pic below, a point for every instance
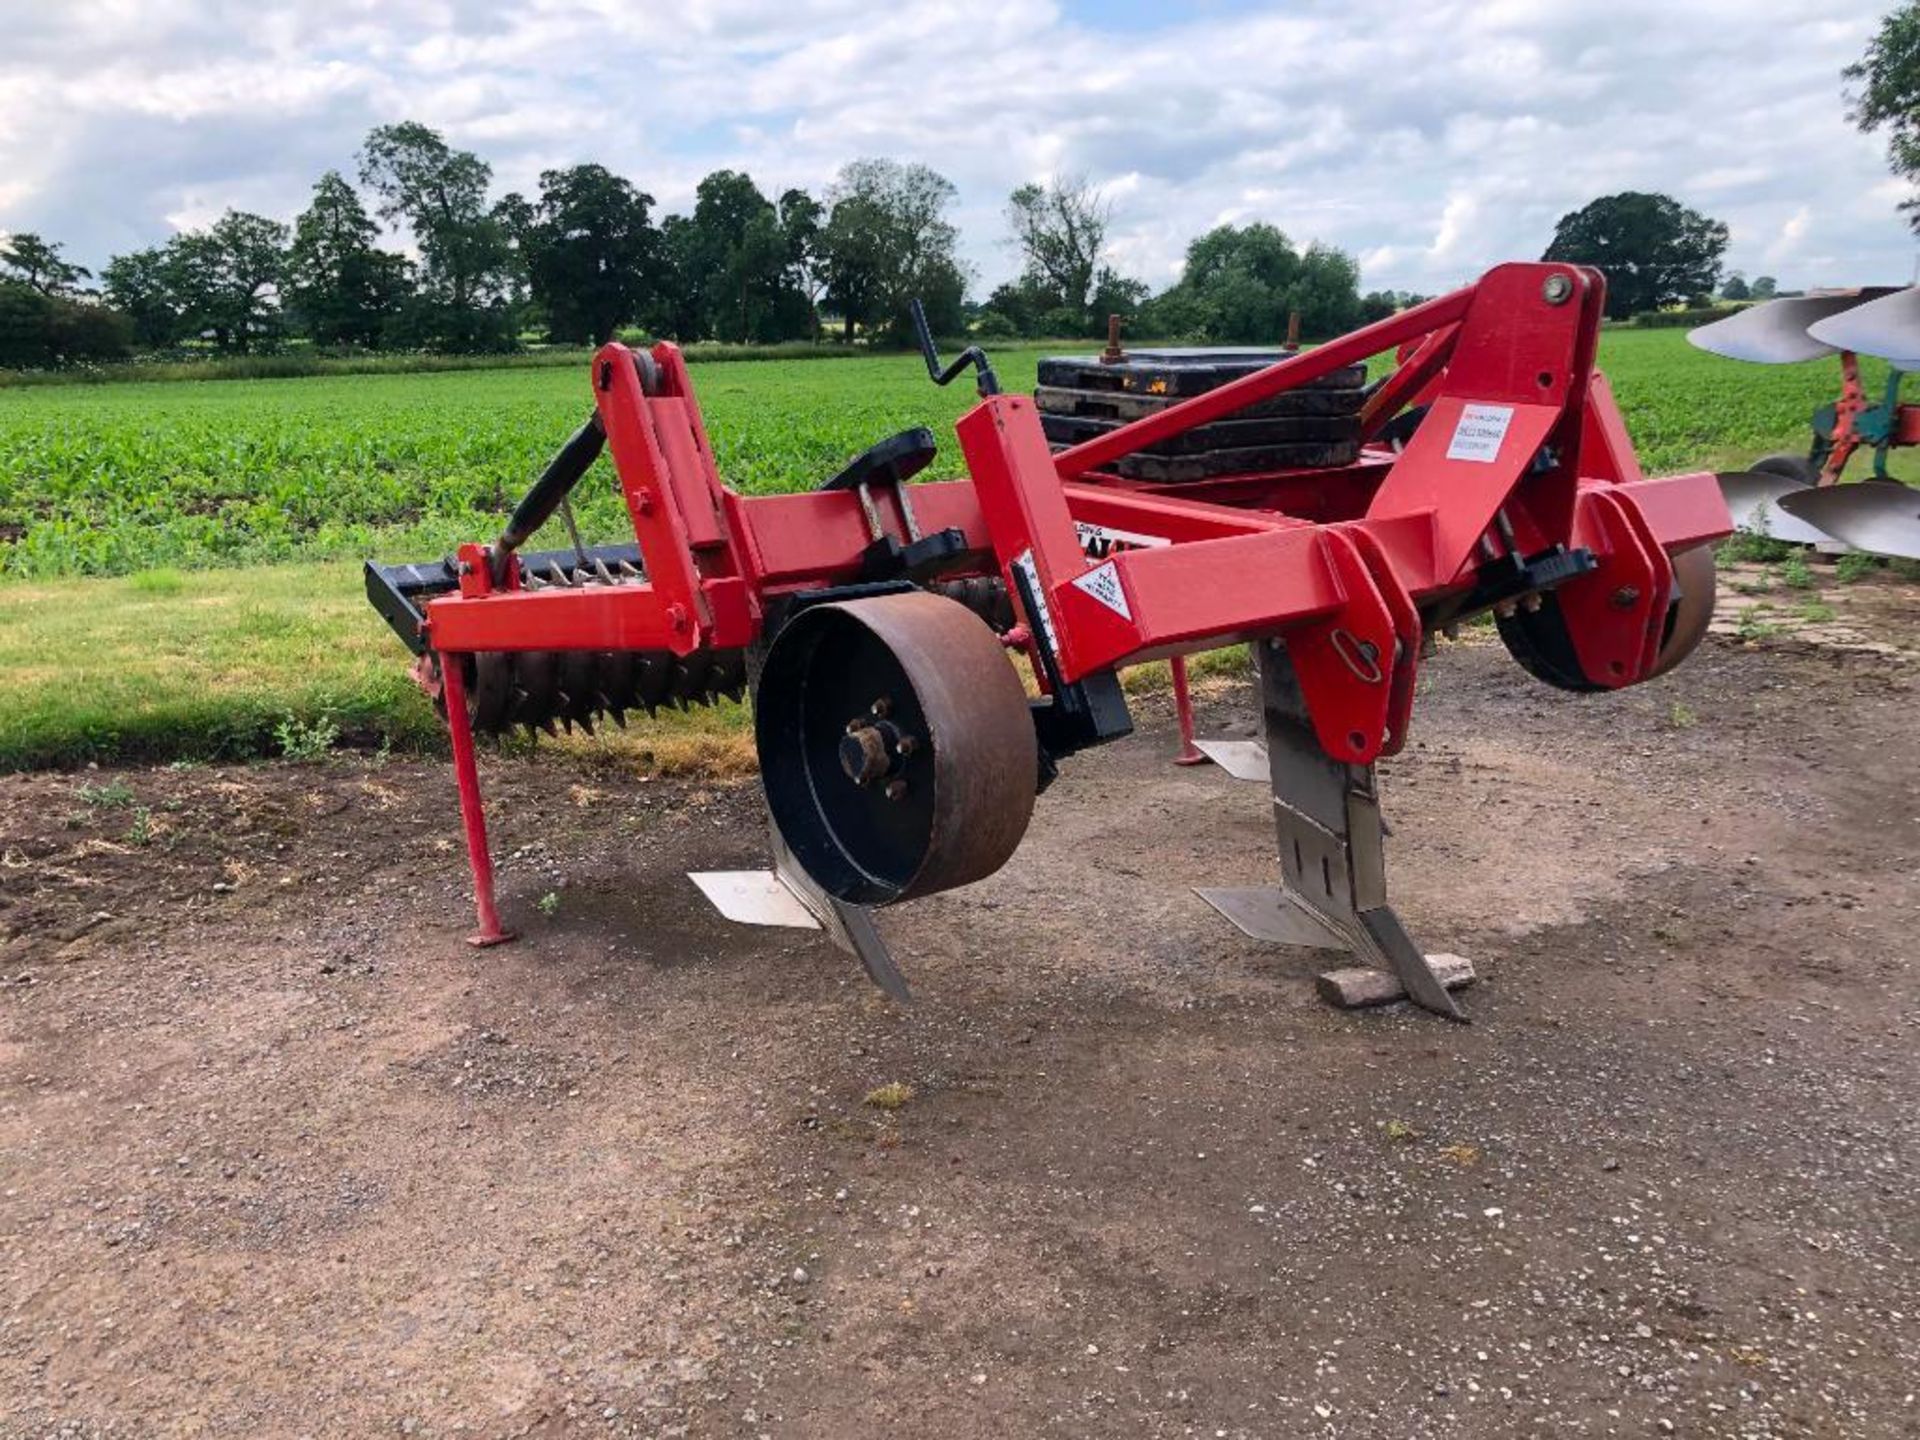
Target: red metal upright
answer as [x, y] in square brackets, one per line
[472, 815]
[1183, 709]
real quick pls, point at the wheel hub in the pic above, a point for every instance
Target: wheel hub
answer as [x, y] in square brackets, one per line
[873, 750]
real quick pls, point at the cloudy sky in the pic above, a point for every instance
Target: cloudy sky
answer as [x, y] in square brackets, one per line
[1430, 139]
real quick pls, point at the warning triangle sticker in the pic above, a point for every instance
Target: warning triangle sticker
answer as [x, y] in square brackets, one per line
[1103, 584]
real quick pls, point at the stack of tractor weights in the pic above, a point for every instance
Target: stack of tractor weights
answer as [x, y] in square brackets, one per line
[1081, 397]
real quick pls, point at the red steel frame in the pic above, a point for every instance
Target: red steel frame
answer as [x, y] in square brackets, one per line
[1521, 448]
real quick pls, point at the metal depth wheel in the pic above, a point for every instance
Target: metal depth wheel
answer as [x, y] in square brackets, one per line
[896, 747]
[1692, 610]
[1538, 639]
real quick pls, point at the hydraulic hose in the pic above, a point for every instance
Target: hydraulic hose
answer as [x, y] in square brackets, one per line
[536, 507]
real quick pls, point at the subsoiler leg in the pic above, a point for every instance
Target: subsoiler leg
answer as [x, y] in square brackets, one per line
[1332, 852]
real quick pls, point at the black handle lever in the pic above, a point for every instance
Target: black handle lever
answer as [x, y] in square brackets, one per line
[987, 383]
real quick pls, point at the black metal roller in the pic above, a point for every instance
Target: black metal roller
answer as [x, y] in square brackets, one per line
[537, 699]
[579, 688]
[617, 670]
[730, 674]
[896, 746]
[490, 691]
[689, 682]
[655, 678]
[546, 689]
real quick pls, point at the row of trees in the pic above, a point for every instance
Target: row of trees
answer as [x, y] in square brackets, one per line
[578, 260]
[584, 258]
[1239, 285]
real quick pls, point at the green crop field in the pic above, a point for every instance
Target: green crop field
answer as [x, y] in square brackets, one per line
[181, 479]
[113, 479]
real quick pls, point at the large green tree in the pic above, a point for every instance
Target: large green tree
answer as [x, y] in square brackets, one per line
[888, 242]
[1242, 282]
[1060, 229]
[1653, 250]
[140, 286]
[1884, 92]
[514, 214]
[342, 289]
[803, 221]
[854, 258]
[223, 282]
[678, 308]
[591, 252]
[38, 329]
[35, 262]
[225, 279]
[737, 264]
[440, 193]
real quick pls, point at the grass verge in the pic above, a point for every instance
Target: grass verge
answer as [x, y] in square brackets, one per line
[162, 666]
[285, 659]
[234, 664]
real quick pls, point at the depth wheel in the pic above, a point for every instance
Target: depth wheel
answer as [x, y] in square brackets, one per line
[896, 747]
[1692, 609]
[1538, 639]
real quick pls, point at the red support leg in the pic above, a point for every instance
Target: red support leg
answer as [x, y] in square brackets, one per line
[1183, 707]
[472, 815]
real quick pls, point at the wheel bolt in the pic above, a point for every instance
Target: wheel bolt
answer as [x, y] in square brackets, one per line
[896, 790]
[906, 745]
[882, 708]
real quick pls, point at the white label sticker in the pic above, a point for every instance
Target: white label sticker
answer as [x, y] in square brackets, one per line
[1478, 435]
[1103, 584]
[1025, 561]
[1100, 541]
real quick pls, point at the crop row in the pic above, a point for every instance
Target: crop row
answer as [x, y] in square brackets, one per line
[119, 479]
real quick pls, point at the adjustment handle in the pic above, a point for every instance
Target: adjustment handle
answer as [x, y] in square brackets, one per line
[986, 382]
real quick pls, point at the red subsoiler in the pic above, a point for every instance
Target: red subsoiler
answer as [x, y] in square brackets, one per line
[878, 623]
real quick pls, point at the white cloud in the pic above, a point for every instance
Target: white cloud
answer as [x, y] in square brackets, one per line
[1459, 214]
[1430, 140]
[1791, 237]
